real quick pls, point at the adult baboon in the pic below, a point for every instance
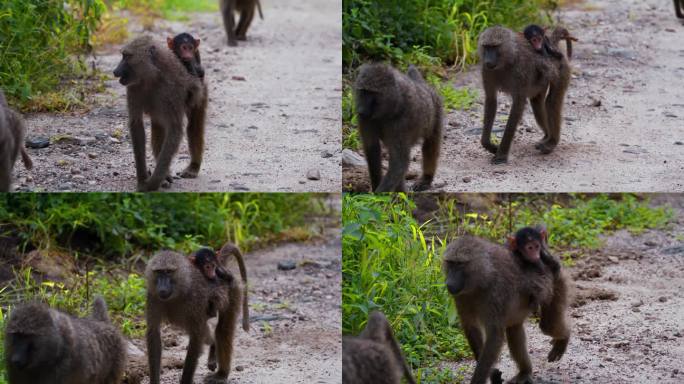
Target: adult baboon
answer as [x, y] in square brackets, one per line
[45, 346]
[398, 110]
[510, 64]
[158, 84]
[246, 10]
[374, 356]
[178, 293]
[12, 133]
[491, 291]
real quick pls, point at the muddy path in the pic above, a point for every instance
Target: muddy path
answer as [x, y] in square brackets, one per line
[627, 312]
[624, 113]
[273, 119]
[295, 319]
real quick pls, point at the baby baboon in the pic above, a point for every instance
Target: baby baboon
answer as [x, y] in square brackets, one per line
[45, 346]
[158, 84]
[510, 64]
[398, 110]
[374, 356]
[536, 36]
[178, 293]
[246, 10]
[205, 260]
[186, 47]
[491, 292]
[12, 133]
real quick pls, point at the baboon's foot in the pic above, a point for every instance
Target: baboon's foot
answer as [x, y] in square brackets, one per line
[242, 37]
[496, 377]
[500, 159]
[190, 172]
[491, 148]
[216, 378]
[211, 361]
[232, 43]
[545, 147]
[521, 378]
[423, 184]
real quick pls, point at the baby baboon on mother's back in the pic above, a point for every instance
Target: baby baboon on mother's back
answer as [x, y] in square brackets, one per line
[491, 289]
[398, 110]
[374, 356]
[158, 84]
[46, 346]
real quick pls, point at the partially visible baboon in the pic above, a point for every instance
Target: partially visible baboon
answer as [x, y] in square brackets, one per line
[246, 10]
[178, 293]
[12, 133]
[158, 84]
[398, 110]
[536, 35]
[679, 8]
[491, 292]
[46, 346]
[510, 64]
[374, 356]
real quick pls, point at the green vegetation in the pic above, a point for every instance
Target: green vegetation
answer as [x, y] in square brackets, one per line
[105, 237]
[430, 34]
[393, 263]
[43, 44]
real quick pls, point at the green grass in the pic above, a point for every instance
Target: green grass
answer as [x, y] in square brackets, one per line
[393, 264]
[112, 224]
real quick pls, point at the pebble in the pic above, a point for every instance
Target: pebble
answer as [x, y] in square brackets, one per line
[353, 159]
[37, 142]
[287, 265]
[313, 174]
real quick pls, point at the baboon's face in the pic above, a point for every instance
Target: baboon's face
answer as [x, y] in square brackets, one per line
[164, 283]
[455, 276]
[30, 351]
[366, 103]
[134, 64]
[490, 56]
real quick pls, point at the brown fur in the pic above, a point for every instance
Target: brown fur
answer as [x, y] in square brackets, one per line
[190, 296]
[519, 71]
[491, 290]
[246, 10]
[679, 8]
[226, 251]
[559, 34]
[12, 131]
[158, 84]
[374, 356]
[63, 348]
[398, 110]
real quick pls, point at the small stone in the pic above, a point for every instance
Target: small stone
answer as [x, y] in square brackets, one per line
[92, 155]
[678, 143]
[326, 154]
[313, 174]
[238, 187]
[238, 78]
[240, 368]
[37, 142]
[287, 265]
[467, 179]
[353, 159]
[662, 299]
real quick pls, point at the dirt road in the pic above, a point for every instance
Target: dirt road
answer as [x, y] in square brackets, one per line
[295, 319]
[274, 111]
[624, 113]
[628, 315]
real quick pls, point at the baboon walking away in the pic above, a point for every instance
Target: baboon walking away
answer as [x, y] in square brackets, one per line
[510, 64]
[46, 346]
[12, 131]
[491, 290]
[159, 85]
[374, 356]
[397, 110]
[246, 10]
[179, 294]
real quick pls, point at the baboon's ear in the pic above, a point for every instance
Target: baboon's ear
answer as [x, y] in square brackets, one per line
[197, 41]
[169, 42]
[192, 258]
[512, 245]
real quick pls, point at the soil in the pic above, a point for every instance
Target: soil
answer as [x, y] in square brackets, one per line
[273, 119]
[295, 317]
[624, 113]
[627, 312]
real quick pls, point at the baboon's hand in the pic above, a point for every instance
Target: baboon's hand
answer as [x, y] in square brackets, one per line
[558, 349]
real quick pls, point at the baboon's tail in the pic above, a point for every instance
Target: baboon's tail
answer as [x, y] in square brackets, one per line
[231, 249]
[28, 163]
[100, 310]
[259, 8]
